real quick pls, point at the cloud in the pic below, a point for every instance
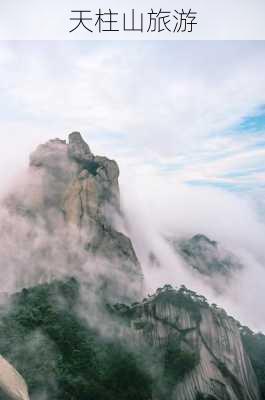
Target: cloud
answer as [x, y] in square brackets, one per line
[155, 209]
[169, 113]
[148, 103]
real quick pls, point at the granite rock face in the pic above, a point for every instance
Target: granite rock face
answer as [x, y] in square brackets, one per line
[12, 385]
[220, 368]
[71, 190]
[70, 178]
[78, 149]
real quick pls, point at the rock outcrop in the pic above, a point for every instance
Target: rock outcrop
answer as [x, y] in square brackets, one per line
[69, 189]
[12, 385]
[94, 188]
[213, 362]
[68, 177]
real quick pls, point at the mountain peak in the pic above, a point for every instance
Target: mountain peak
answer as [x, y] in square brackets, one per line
[68, 188]
[78, 149]
[203, 239]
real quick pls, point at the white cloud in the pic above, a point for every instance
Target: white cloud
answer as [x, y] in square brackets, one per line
[169, 103]
[155, 208]
[165, 111]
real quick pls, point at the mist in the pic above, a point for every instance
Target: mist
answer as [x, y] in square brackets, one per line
[189, 141]
[153, 207]
[157, 207]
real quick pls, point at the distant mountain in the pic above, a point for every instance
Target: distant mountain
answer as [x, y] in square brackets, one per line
[206, 256]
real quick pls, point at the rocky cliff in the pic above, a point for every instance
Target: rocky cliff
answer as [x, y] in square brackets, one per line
[66, 206]
[12, 385]
[203, 353]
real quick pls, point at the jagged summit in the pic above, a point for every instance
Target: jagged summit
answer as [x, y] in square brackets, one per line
[78, 149]
[71, 172]
[75, 180]
[69, 189]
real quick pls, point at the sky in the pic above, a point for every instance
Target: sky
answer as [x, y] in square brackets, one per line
[192, 111]
[184, 120]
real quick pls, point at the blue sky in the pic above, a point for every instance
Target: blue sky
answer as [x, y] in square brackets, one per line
[251, 131]
[192, 112]
[254, 123]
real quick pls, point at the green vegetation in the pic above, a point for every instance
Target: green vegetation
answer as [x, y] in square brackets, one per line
[177, 362]
[91, 167]
[182, 298]
[60, 357]
[255, 347]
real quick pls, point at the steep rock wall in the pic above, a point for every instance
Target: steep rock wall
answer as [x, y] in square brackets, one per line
[221, 367]
[12, 385]
[72, 196]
